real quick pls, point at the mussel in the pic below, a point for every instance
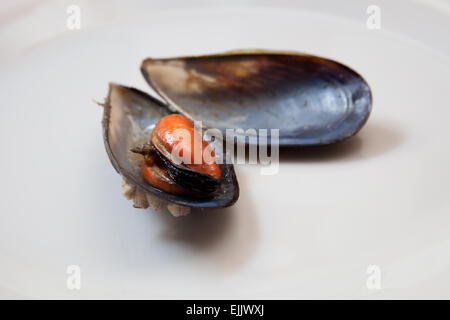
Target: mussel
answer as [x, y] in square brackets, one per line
[311, 100]
[170, 158]
[130, 116]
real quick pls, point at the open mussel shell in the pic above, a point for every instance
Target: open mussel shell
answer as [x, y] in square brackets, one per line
[129, 117]
[311, 100]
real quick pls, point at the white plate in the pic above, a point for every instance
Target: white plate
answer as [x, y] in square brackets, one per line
[311, 231]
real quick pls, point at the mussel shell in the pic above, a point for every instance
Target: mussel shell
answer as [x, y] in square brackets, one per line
[129, 117]
[312, 100]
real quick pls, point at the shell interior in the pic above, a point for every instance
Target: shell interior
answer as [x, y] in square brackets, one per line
[129, 117]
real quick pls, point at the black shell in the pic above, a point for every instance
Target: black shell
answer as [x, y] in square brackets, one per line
[312, 100]
[189, 179]
[128, 118]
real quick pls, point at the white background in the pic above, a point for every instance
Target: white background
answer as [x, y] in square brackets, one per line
[311, 231]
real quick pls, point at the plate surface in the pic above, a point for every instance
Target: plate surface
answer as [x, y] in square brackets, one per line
[313, 230]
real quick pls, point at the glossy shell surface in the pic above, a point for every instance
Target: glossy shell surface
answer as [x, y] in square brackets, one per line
[129, 117]
[312, 100]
